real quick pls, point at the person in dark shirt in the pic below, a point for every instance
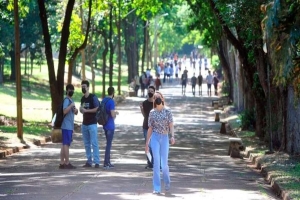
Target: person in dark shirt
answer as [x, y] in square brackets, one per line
[200, 80]
[89, 106]
[146, 107]
[184, 78]
[193, 81]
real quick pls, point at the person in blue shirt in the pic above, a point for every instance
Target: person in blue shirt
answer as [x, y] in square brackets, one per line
[67, 128]
[109, 127]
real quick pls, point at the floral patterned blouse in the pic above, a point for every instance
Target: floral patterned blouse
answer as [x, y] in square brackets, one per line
[159, 120]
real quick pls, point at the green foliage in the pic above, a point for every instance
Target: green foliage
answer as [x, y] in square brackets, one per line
[215, 62]
[282, 32]
[31, 128]
[225, 88]
[247, 118]
[203, 19]
[256, 87]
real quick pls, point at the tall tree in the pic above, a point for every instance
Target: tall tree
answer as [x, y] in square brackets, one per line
[56, 82]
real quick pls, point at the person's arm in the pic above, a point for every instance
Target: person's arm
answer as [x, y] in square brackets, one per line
[114, 113]
[149, 133]
[142, 109]
[69, 107]
[93, 110]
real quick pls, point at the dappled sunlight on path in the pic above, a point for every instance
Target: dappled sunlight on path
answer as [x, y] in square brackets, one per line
[199, 165]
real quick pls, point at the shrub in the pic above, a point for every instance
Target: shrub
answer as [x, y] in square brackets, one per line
[247, 118]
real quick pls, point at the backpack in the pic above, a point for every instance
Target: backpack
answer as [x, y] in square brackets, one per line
[101, 114]
[59, 115]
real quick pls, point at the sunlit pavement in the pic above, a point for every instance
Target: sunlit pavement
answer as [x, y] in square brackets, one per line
[199, 165]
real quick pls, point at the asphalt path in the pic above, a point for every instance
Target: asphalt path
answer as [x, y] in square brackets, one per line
[199, 165]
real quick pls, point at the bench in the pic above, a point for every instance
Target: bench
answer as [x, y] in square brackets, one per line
[132, 94]
[217, 115]
[223, 127]
[224, 100]
[215, 104]
[235, 147]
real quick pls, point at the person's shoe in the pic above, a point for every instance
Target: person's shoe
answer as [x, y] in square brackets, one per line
[61, 166]
[149, 167]
[156, 192]
[70, 166]
[97, 166]
[87, 165]
[108, 166]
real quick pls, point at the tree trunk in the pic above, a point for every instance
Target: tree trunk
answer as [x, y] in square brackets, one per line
[72, 59]
[104, 54]
[56, 85]
[83, 75]
[144, 54]
[2, 70]
[293, 118]
[12, 65]
[111, 47]
[226, 68]
[131, 45]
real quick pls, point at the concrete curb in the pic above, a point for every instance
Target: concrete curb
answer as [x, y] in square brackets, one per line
[12, 150]
[256, 161]
[267, 175]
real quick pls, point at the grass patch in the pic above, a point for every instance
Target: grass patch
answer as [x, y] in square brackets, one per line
[36, 102]
[34, 128]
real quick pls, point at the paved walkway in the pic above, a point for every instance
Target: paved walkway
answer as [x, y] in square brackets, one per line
[199, 165]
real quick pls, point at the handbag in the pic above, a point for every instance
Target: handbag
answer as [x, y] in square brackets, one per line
[56, 135]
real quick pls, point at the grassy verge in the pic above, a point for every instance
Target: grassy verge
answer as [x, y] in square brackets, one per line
[36, 100]
[283, 168]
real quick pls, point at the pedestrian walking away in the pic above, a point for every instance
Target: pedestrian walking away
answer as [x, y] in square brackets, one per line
[200, 80]
[209, 81]
[109, 127]
[89, 106]
[157, 83]
[193, 82]
[137, 84]
[146, 106]
[216, 81]
[160, 124]
[184, 78]
[67, 128]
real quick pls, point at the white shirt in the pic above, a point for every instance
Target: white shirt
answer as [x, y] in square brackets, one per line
[209, 79]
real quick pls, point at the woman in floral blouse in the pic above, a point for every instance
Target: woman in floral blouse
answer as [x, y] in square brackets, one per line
[160, 124]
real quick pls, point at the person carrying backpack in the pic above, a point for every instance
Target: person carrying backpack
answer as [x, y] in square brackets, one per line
[89, 107]
[67, 128]
[109, 127]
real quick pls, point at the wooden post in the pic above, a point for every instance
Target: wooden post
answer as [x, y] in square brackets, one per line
[18, 72]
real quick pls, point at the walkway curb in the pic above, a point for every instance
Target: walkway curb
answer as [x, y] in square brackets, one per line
[12, 150]
[267, 175]
[255, 160]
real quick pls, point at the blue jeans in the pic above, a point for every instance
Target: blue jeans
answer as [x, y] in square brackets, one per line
[149, 162]
[90, 138]
[160, 149]
[109, 135]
